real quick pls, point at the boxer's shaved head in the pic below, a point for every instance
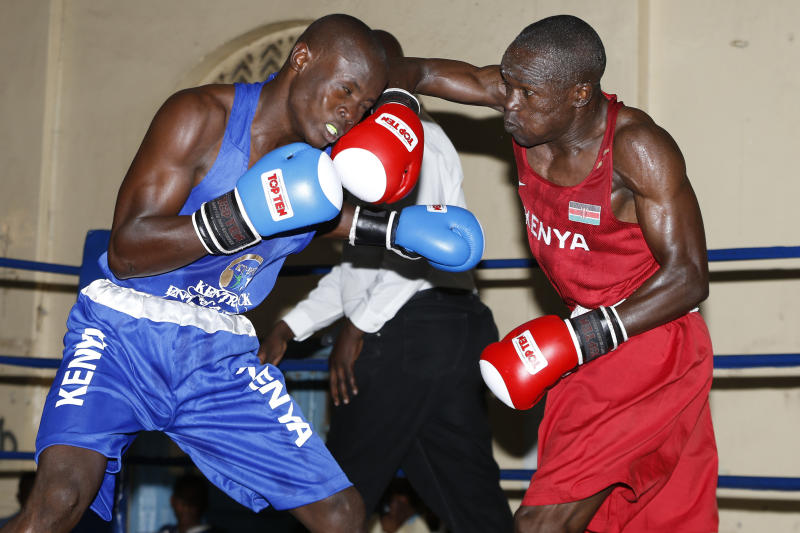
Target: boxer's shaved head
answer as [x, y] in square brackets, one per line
[567, 48]
[343, 35]
[337, 69]
[391, 46]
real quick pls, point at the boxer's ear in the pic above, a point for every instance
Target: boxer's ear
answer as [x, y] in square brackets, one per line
[299, 57]
[582, 94]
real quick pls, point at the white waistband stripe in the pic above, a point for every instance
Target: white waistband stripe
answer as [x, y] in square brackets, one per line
[142, 305]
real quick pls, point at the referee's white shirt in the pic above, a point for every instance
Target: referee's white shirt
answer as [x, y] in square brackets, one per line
[372, 283]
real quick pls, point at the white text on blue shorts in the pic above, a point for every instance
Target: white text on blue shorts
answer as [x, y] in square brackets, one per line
[264, 383]
[80, 369]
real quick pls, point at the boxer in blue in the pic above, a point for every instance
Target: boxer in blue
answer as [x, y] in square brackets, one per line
[197, 239]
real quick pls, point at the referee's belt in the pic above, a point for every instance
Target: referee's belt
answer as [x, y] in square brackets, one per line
[442, 293]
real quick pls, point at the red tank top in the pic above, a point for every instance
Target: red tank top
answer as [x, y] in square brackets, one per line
[589, 256]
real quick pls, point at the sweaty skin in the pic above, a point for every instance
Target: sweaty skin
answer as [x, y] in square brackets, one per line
[334, 73]
[562, 129]
[316, 89]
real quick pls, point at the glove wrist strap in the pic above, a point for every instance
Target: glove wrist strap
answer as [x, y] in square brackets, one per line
[223, 226]
[371, 227]
[399, 96]
[377, 228]
[597, 332]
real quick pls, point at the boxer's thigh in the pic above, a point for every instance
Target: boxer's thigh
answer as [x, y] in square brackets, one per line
[95, 404]
[241, 427]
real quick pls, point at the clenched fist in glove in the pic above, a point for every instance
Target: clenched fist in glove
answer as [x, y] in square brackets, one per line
[448, 236]
[534, 356]
[379, 159]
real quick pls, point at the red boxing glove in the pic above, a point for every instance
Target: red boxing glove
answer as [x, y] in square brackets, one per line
[534, 356]
[528, 361]
[380, 158]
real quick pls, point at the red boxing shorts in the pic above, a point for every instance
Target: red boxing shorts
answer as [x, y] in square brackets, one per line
[637, 419]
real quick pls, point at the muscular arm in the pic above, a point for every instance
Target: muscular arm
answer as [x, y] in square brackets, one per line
[147, 235]
[452, 80]
[444, 78]
[339, 228]
[651, 165]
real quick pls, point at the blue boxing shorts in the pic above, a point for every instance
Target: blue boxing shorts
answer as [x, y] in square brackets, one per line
[135, 362]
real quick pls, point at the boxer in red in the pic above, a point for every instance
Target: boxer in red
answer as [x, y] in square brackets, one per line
[626, 443]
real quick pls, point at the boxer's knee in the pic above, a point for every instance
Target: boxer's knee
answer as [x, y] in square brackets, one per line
[563, 517]
[66, 483]
[342, 512]
[348, 511]
[543, 519]
[527, 519]
[54, 508]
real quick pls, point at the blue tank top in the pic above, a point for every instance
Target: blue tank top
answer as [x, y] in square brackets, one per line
[229, 283]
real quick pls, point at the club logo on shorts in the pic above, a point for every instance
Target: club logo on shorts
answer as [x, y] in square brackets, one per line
[276, 195]
[437, 208]
[239, 272]
[399, 128]
[529, 353]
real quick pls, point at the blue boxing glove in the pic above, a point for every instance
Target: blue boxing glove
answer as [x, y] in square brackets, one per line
[448, 236]
[291, 187]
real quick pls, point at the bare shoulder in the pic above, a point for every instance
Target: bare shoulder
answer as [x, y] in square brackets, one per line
[210, 98]
[637, 130]
[644, 151]
[194, 119]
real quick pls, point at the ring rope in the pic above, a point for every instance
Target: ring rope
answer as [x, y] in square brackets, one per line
[782, 360]
[724, 482]
[321, 365]
[509, 474]
[721, 254]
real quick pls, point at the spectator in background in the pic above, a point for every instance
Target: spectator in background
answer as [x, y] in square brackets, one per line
[402, 511]
[189, 502]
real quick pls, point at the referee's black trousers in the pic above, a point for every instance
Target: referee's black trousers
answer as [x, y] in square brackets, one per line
[421, 407]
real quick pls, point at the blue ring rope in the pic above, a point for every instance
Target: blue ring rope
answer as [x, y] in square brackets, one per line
[31, 362]
[720, 361]
[724, 482]
[39, 266]
[744, 254]
[782, 360]
[16, 456]
[722, 254]
[758, 483]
